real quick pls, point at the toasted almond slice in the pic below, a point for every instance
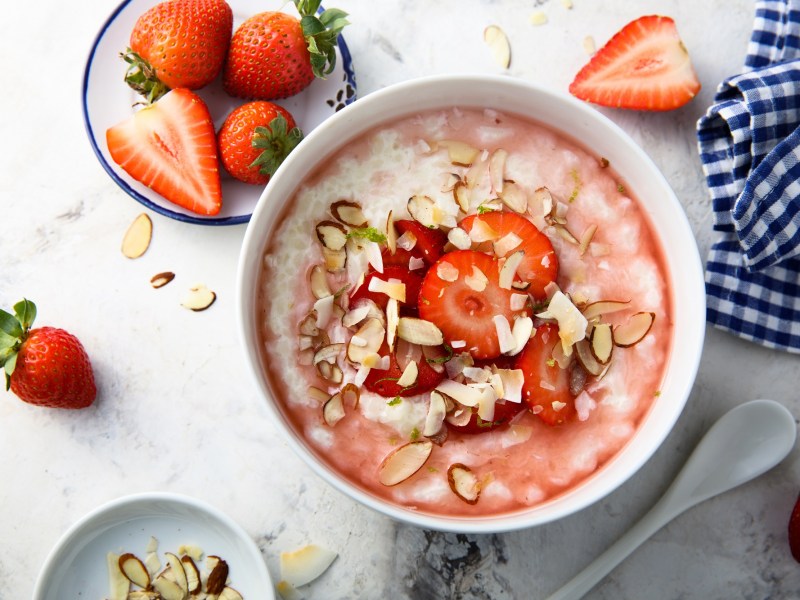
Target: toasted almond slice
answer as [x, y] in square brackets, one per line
[179, 573]
[334, 260]
[304, 565]
[514, 197]
[565, 233]
[464, 483]
[198, 298]
[602, 342]
[319, 282]
[586, 239]
[403, 462]
[437, 409]
[460, 153]
[419, 331]
[391, 233]
[323, 308]
[369, 339]
[450, 182]
[332, 235]
[587, 359]
[349, 213]
[137, 238]
[497, 169]
[409, 376]
[460, 416]
[328, 353]
[152, 562]
[461, 195]
[162, 279]
[193, 579]
[633, 331]
[318, 394]
[142, 595]
[424, 210]
[118, 583]
[351, 395]
[168, 590]
[508, 271]
[497, 41]
[333, 410]
[228, 593]
[544, 199]
[604, 307]
[217, 576]
[134, 570]
[308, 326]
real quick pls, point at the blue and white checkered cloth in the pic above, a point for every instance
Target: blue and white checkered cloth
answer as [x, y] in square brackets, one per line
[749, 143]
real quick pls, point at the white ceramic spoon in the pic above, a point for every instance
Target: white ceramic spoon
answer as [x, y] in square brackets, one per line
[744, 443]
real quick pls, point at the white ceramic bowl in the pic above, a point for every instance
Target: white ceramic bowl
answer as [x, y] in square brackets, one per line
[76, 567]
[577, 121]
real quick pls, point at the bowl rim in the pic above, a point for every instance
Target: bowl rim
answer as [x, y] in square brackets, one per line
[75, 531]
[693, 312]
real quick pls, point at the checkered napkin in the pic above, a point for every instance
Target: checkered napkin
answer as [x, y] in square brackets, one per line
[749, 143]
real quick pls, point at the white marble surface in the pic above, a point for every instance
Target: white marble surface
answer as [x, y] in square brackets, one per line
[177, 411]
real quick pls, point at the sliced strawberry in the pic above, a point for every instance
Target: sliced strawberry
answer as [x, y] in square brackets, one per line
[412, 280]
[645, 66]
[171, 147]
[540, 265]
[462, 312]
[503, 413]
[546, 387]
[794, 531]
[430, 242]
[384, 383]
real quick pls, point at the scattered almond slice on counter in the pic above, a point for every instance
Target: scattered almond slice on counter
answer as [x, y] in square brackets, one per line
[304, 565]
[199, 298]
[287, 591]
[589, 45]
[137, 238]
[498, 44]
[162, 279]
[538, 18]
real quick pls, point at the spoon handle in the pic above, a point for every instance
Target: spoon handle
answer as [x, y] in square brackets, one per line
[658, 516]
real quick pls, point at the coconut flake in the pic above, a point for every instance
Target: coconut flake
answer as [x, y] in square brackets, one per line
[571, 322]
[415, 263]
[506, 244]
[476, 280]
[459, 238]
[305, 564]
[504, 335]
[518, 301]
[446, 271]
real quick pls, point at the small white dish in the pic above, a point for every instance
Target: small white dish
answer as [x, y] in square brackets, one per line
[76, 567]
[107, 100]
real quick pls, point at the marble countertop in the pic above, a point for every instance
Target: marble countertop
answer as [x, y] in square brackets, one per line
[177, 410]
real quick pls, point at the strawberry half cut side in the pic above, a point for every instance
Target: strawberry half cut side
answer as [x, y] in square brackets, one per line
[171, 147]
[645, 66]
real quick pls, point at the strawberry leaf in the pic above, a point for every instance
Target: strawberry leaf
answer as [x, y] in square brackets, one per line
[276, 143]
[25, 311]
[10, 325]
[321, 33]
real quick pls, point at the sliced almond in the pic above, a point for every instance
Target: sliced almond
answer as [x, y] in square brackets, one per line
[332, 235]
[514, 197]
[366, 341]
[218, 575]
[179, 573]
[437, 410]
[409, 376]
[508, 271]
[586, 239]
[497, 41]
[565, 233]
[419, 331]
[460, 153]
[330, 372]
[118, 583]
[317, 394]
[391, 233]
[464, 483]
[424, 210]
[169, 590]
[450, 182]
[460, 416]
[476, 173]
[521, 331]
[459, 238]
[482, 232]
[587, 359]
[602, 342]
[603, 307]
[162, 279]
[461, 195]
[304, 565]
[152, 562]
[335, 261]
[323, 308]
[633, 331]
[392, 321]
[193, 579]
[349, 213]
[198, 298]
[134, 570]
[497, 169]
[318, 281]
[228, 593]
[137, 238]
[141, 595]
[308, 326]
[333, 410]
[328, 353]
[403, 462]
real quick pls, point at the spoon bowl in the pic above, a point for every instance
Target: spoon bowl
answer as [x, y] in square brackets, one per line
[744, 443]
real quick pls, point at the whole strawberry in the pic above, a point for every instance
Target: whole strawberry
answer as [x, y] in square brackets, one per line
[274, 55]
[44, 366]
[255, 139]
[179, 43]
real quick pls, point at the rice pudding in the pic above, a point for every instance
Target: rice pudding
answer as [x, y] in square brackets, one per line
[464, 313]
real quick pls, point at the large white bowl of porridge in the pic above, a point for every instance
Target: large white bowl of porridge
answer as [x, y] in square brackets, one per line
[471, 303]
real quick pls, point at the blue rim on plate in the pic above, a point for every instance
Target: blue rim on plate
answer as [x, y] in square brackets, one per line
[345, 96]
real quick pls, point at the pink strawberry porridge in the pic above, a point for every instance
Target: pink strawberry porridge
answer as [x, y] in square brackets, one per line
[465, 313]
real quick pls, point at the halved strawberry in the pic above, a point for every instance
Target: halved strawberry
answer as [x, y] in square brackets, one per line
[645, 66]
[540, 265]
[171, 147]
[503, 413]
[412, 280]
[384, 382]
[794, 531]
[430, 242]
[462, 310]
[546, 387]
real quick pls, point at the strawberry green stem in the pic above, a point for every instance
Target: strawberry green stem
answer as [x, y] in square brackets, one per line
[321, 32]
[276, 142]
[13, 332]
[142, 78]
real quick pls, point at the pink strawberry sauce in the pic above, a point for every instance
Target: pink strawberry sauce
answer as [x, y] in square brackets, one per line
[527, 462]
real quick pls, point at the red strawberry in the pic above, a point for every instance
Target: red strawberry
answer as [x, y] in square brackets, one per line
[430, 242]
[44, 366]
[794, 531]
[412, 279]
[255, 139]
[171, 147]
[178, 44]
[546, 387]
[269, 55]
[540, 265]
[462, 312]
[645, 66]
[503, 413]
[384, 382]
